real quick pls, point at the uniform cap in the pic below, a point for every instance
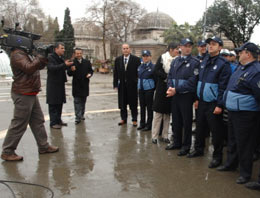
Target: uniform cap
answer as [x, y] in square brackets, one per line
[216, 39]
[249, 47]
[201, 43]
[146, 53]
[225, 52]
[186, 41]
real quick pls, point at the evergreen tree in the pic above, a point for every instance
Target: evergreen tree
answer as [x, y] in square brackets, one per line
[66, 35]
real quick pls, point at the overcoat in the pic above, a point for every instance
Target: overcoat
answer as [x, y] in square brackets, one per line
[80, 84]
[56, 78]
[161, 103]
[126, 80]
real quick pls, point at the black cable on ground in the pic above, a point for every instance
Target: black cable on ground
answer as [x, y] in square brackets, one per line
[24, 183]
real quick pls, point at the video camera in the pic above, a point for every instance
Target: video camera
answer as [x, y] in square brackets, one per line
[14, 38]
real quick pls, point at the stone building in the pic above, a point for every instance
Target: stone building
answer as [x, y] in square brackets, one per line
[88, 37]
[148, 34]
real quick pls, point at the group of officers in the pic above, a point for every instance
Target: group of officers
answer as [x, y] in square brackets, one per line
[211, 82]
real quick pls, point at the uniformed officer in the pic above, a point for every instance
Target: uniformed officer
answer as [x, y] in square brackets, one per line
[182, 82]
[146, 86]
[202, 50]
[214, 74]
[242, 99]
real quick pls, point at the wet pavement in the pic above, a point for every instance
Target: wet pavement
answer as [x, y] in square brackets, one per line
[99, 159]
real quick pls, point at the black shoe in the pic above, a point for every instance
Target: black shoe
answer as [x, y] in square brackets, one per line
[172, 147]
[56, 126]
[146, 129]
[215, 163]
[154, 141]
[195, 154]
[193, 131]
[82, 118]
[225, 168]
[183, 152]
[140, 127]
[77, 122]
[63, 123]
[122, 122]
[242, 180]
[166, 140]
[253, 185]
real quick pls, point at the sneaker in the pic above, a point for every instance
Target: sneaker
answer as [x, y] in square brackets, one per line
[11, 157]
[50, 149]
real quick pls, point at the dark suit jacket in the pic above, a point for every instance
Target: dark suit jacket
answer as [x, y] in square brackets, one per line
[80, 84]
[126, 81]
[56, 78]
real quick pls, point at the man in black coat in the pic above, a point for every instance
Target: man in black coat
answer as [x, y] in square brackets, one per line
[81, 72]
[125, 81]
[56, 78]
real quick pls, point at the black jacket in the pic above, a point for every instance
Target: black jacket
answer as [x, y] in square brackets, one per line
[161, 103]
[80, 84]
[126, 81]
[56, 78]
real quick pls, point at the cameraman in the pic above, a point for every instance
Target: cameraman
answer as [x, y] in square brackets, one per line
[27, 110]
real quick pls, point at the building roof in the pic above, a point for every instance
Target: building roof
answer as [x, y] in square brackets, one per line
[146, 42]
[155, 20]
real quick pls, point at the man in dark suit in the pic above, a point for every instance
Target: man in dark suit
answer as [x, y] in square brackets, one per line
[81, 72]
[56, 79]
[125, 81]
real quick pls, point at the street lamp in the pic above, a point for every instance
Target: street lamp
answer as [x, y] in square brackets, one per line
[205, 20]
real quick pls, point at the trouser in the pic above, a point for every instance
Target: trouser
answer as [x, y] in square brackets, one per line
[146, 103]
[242, 133]
[27, 110]
[79, 107]
[55, 111]
[215, 123]
[182, 119]
[157, 122]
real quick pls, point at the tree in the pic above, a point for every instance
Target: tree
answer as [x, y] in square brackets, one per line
[124, 15]
[52, 28]
[66, 35]
[235, 18]
[178, 32]
[115, 17]
[21, 12]
[97, 13]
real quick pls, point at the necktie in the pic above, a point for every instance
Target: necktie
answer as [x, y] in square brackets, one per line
[125, 63]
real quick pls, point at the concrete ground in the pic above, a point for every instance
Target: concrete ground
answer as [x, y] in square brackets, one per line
[99, 159]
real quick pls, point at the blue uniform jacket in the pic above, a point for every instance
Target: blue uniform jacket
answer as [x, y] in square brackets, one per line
[183, 74]
[214, 73]
[145, 76]
[243, 90]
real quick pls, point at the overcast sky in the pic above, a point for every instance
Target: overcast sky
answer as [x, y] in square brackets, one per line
[180, 10]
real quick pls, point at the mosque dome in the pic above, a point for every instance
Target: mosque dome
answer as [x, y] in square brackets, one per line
[155, 20]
